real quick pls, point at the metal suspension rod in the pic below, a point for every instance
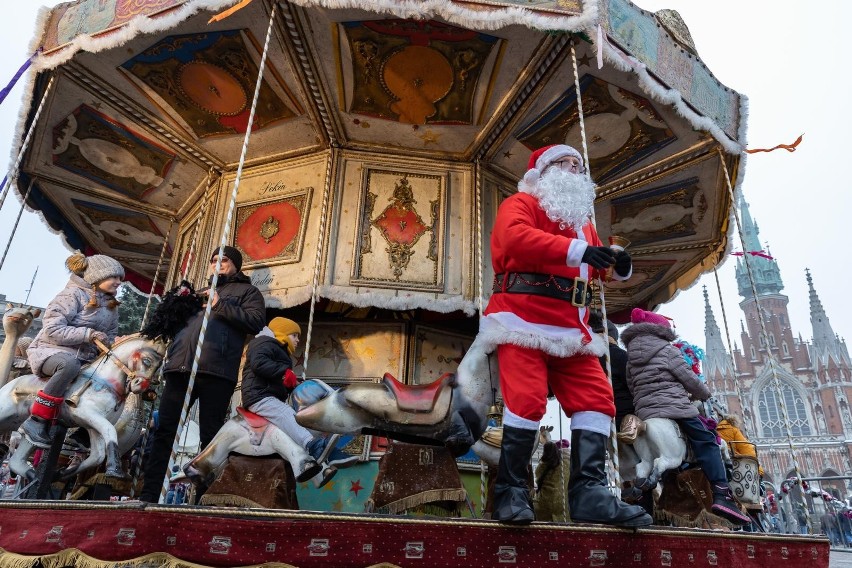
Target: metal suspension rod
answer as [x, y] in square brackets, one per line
[763, 333]
[13, 173]
[157, 273]
[616, 475]
[224, 241]
[17, 220]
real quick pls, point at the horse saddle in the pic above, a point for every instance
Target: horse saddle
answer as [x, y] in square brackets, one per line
[255, 424]
[392, 401]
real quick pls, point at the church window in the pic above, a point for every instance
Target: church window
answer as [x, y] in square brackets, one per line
[771, 418]
[753, 353]
[772, 339]
[830, 412]
[785, 348]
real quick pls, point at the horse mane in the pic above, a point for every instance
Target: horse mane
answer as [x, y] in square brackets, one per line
[173, 313]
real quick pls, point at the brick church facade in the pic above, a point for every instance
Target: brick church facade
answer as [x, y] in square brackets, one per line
[812, 378]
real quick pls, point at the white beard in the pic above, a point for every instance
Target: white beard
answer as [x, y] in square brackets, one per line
[565, 197]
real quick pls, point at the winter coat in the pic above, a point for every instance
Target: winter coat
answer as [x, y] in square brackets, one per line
[657, 374]
[731, 433]
[68, 324]
[240, 311]
[263, 374]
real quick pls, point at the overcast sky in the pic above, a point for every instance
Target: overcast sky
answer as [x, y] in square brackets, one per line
[789, 60]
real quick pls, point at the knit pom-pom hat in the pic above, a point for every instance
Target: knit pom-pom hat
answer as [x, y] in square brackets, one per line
[282, 328]
[94, 269]
[639, 315]
[543, 157]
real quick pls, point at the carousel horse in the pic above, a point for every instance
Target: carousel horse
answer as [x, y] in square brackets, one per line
[451, 411]
[249, 434]
[16, 322]
[96, 401]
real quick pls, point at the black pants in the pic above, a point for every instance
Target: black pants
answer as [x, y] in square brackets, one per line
[706, 450]
[214, 397]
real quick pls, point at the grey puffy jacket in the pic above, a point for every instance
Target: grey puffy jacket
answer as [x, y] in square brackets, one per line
[68, 324]
[658, 375]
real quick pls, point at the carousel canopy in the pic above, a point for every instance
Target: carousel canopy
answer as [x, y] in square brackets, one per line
[150, 104]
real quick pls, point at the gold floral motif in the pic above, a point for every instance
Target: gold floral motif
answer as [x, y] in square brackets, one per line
[269, 229]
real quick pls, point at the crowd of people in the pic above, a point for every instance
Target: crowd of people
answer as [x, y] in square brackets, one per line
[545, 252]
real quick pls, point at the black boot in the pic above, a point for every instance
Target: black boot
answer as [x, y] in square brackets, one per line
[37, 430]
[726, 506]
[113, 462]
[511, 494]
[589, 499]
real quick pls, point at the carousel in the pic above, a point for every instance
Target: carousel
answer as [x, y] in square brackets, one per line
[355, 153]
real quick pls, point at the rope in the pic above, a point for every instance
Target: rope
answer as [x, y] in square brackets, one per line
[224, 240]
[616, 476]
[17, 220]
[157, 273]
[13, 173]
[562, 472]
[483, 491]
[750, 432]
[763, 334]
[196, 229]
[317, 260]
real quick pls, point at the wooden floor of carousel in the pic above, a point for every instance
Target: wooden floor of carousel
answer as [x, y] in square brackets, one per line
[74, 533]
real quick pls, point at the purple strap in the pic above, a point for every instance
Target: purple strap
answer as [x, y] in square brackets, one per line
[14, 80]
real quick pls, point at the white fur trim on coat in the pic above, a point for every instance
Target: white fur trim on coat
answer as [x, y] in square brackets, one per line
[507, 328]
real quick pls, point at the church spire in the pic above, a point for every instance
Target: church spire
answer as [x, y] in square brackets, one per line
[716, 358]
[767, 276]
[825, 343]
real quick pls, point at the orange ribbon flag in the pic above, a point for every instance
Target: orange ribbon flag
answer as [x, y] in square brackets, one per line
[788, 147]
[229, 12]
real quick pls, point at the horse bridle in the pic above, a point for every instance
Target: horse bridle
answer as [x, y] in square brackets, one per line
[131, 375]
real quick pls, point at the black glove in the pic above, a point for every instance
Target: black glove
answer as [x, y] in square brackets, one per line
[598, 257]
[622, 263]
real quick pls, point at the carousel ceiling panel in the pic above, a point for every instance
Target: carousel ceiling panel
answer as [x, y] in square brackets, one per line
[84, 143]
[123, 231]
[196, 83]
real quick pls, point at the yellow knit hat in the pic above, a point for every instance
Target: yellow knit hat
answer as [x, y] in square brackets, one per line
[282, 327]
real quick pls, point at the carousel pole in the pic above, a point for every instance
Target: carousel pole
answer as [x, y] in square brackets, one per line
[13, 173]
[616, 476]
[157, 273]
[17, 220]
[223, 241]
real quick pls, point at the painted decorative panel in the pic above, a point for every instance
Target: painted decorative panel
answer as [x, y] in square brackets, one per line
[93, 145]
[660, 214]
[436, 352]
[646, 275]
[343, 352]
[627, 127]
[401, 231]
[121, 229]
[416, 71]
[273, 232]
[208, 79]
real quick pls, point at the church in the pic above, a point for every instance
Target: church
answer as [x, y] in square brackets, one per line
[792, 396]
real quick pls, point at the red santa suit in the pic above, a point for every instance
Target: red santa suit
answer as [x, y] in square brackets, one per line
[544, 343]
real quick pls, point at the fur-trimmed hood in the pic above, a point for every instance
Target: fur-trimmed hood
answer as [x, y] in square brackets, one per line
[637, 329]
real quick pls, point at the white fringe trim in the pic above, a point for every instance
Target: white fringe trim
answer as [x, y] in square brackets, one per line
[624, 62]
[393, 300]
[492, 333]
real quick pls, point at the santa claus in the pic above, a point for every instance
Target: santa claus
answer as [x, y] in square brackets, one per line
[544, 251]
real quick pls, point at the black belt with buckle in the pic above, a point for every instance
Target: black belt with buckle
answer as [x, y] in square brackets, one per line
[574, 290]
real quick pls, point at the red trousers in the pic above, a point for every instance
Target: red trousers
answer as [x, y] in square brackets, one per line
[579, 383]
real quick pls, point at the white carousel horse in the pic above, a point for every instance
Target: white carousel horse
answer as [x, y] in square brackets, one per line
[659, 448]
[452, 410]
[16, 321]
[248, 434]
[96, 402]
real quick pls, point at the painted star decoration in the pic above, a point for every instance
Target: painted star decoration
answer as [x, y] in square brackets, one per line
[356, 487]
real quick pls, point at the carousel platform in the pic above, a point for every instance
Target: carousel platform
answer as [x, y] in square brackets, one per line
[59, 533]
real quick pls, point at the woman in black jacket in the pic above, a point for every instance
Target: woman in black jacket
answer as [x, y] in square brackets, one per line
[238, 309]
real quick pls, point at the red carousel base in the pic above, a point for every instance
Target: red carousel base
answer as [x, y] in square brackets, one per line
[62, 533]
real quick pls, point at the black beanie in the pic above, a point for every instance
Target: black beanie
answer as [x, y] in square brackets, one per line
[231, 253]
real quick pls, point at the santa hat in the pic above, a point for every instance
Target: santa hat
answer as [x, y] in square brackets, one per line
[543, 157]
[639, 315]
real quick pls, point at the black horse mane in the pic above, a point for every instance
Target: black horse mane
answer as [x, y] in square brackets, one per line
[173, 313]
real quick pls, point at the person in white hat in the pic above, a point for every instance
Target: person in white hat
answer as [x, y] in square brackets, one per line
[85, 310]
[544, 251]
